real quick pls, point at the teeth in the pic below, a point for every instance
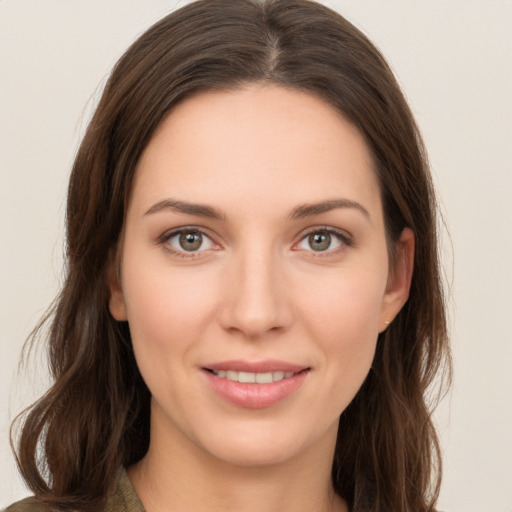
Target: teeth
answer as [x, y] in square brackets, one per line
[246, 377]
[264, 378]
[249, 377]
[231, 375]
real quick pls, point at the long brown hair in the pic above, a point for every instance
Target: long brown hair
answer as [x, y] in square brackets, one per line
[95, 417]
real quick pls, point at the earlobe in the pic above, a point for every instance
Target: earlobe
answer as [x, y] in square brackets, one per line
[117, 305]
[399, 280]
[116, 302]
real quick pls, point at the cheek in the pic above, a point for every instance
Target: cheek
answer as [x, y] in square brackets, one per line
[168, 314]
[347, 303]
[167, 311]
[343, 316]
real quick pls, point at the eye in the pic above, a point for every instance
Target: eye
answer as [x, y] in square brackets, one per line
[188, 241]
[323, 240]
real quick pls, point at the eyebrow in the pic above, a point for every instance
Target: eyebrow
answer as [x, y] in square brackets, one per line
[300, 212]
[199, 210]
[310, 209]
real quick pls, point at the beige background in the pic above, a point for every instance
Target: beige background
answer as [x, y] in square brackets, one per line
[453, 60]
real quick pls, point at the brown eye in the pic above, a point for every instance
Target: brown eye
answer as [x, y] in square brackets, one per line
[323, 240]
[190, 240]
[319, 241]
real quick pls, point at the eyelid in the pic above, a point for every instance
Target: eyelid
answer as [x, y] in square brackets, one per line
[343, 236]
[167, 235]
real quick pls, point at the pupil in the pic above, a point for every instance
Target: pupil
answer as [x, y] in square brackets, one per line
[320, 241]
[191, 241]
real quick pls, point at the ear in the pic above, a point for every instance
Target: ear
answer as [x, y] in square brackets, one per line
[399, 280]
[116, 302]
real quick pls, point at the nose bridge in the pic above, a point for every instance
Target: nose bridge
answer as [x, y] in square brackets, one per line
[257, 301]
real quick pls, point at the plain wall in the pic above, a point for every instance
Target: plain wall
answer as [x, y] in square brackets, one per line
[452, 58]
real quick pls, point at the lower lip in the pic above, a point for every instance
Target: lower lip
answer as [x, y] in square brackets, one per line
[255, 396]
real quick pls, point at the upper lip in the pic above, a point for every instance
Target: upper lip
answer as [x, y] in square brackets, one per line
[265, 366]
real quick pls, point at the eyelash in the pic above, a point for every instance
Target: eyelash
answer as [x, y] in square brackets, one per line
[164, 241]
[343, 237]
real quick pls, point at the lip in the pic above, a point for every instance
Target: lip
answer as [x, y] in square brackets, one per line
[268, 365]
[254, 395]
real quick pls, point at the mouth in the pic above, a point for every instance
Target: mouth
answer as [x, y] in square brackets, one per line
[254, 377]
[255, 385]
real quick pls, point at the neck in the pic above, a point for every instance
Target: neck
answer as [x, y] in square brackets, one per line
[177, 475]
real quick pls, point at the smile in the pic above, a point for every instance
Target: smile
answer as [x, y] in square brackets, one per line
[255, 385]
[251, 377]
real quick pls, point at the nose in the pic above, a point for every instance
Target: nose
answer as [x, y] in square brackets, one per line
[256, 301]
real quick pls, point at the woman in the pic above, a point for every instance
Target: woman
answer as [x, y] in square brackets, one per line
[253, 313]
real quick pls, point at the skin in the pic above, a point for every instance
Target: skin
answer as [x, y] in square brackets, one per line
[255, 290]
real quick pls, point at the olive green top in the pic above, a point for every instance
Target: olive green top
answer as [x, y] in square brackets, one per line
[123, 499]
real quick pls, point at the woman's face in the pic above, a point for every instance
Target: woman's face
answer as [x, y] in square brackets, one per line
[254, 273]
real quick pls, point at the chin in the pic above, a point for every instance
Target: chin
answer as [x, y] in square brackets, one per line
[254, 455]
[263, 444]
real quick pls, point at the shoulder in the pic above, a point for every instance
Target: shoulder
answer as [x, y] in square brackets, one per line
[122, 499]
[27, 505]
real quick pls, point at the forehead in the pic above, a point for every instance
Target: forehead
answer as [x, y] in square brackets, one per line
[259, 143]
